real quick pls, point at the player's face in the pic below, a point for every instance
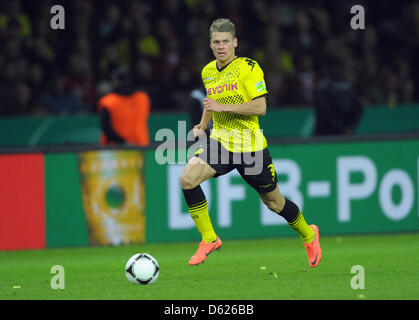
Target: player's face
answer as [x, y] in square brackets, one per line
[223, 46]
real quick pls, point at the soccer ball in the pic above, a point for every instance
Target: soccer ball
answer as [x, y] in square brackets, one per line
[142, 268]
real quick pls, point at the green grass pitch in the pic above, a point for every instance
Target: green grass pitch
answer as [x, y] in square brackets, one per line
[268, 269]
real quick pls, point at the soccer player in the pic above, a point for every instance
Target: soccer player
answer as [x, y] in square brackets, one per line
[236, 96]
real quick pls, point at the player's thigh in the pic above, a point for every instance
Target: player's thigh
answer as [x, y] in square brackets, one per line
[259, 174]
[195, 172]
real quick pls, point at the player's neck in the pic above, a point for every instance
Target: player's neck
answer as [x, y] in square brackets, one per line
[222, 64]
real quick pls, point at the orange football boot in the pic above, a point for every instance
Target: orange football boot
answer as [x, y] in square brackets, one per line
[314, 251]
[204, 250]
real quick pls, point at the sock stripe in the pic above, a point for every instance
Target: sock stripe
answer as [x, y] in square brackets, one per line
[296, 220]
[198, 207]
[197, 204]
[204, 208]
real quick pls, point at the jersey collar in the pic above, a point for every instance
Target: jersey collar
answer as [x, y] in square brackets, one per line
[221, 69]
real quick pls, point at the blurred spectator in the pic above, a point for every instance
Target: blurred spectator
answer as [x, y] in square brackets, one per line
[304, 81]
[397, 82]
[108, 27]
[22, 98]
[58, 100]
[124, 112]
[165, 44]
[13, 19]
[144, 78]
[146, 42]
[337, 103]
[79, 82]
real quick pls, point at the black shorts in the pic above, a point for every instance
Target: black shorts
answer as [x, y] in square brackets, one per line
[256, 168]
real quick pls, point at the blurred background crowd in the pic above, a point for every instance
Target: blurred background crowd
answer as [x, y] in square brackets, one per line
[166, 43]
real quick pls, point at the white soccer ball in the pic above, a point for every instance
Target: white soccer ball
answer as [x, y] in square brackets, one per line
[142, 268]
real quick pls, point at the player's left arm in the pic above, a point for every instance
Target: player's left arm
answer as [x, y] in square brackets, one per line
[256, 107]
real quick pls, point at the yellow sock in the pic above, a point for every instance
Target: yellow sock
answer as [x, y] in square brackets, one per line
[300, 225]
[200, 215]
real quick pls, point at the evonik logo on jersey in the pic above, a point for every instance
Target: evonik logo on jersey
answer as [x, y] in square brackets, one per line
[222, 88]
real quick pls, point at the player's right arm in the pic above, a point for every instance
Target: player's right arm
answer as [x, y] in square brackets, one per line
[205, 119]
[200, 128]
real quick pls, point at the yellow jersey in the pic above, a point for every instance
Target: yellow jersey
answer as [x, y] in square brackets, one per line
[236, 83]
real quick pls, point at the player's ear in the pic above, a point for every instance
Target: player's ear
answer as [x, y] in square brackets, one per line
[235, 42]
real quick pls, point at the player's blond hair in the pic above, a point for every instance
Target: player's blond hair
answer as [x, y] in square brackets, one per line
[223, 25]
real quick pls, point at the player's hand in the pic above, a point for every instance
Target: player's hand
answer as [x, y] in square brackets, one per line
[198, 130]
[212, 105]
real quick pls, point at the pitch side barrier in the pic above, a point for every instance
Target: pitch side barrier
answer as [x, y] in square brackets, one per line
[51, 148]
[80, 195]
[348, 185]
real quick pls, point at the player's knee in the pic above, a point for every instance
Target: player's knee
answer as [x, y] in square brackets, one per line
[275, 205]
[272, 205]
[186, 182]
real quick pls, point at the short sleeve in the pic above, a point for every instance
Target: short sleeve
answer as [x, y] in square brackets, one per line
[254, 81]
